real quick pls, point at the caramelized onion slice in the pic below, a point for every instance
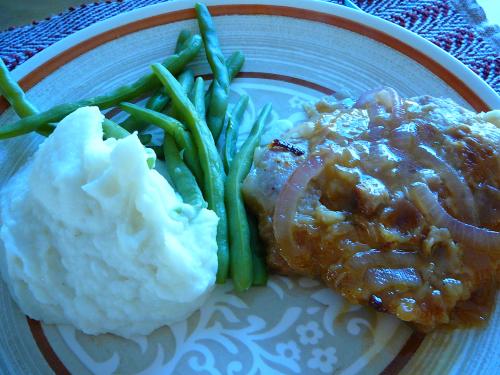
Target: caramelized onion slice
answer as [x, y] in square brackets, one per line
[379, 279]
[462, 195]
[376, 258]
[385, 97]
[286, 207]
[477, 238]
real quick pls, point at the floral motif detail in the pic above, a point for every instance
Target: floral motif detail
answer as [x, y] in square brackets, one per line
[289, 350]
[309, 333]
[323, 359]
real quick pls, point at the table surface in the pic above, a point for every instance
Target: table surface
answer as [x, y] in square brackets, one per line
[21, 12]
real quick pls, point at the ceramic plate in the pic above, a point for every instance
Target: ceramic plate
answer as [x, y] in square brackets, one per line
[297, 51]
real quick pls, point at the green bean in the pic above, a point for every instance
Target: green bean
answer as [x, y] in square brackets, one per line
[187, 82]
[174, 128]
[131, 124]
[156, 102]
[234, 121]
[183, 36]
[234, 64]
[211, 164]
[145, 138]
[216, 110]
[151, 157]
[159, 99]
[47, 129]
[239, 232]
[184, 181]
[148, 83]
[111, 129]
[186, 77]
[198, 96]
[159, 102]
[159, 154]
[23, 108]
[14, 94]
[211, 42]
[220, 88]
[258, 254]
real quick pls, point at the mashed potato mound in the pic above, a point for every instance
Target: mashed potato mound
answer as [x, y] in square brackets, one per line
[92, 237]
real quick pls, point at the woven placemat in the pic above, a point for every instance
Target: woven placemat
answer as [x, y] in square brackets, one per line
[457, 26]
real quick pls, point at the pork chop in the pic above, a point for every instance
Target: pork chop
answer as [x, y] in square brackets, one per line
[393, 203]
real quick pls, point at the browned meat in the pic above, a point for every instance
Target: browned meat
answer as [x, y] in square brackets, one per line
[395, 204]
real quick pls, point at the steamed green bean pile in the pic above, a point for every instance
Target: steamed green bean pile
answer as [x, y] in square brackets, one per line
[186, 122]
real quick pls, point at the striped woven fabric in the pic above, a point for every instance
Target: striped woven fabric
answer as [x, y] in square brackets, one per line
[456, 26]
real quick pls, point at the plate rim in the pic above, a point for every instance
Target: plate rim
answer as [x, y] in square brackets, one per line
[449, 66]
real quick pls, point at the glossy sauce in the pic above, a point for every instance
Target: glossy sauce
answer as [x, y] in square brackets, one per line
[363, 235]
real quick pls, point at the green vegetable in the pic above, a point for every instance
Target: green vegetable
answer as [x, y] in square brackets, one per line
[172, 127]
[211, 164]
[111, 129]
[220, 88]
[183, 36]
[156, 102]
[234, 64]
[233, 125]
[211, 42]
[239, 232]
[14, 94]
[47, 129]
[145, 138]
[151, 159]
[186, 80]
[158, 150]
[184, 181]
[159, 99]
[148, 83]
[198, 96]
[191, 157]
[258, 254]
